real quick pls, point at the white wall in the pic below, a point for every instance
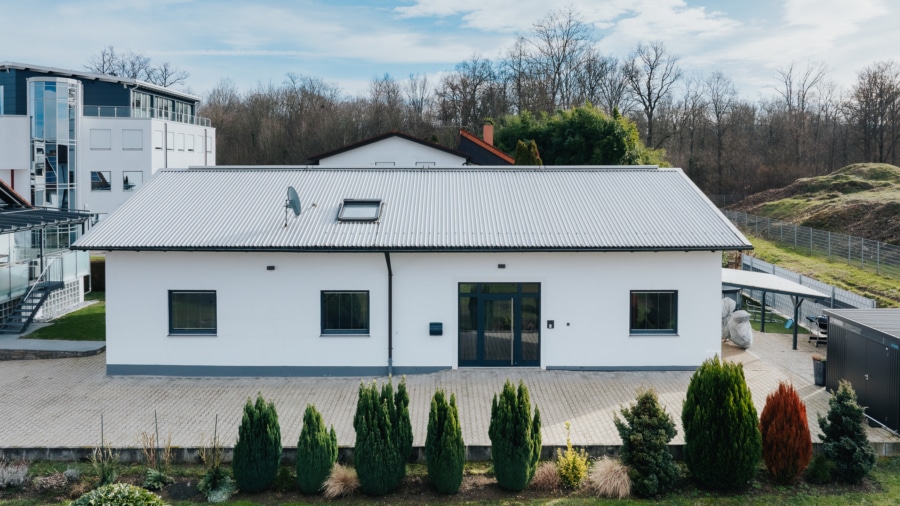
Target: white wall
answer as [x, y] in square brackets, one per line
[119, 158]
[14, 152]
[401, 152]
[273, 317]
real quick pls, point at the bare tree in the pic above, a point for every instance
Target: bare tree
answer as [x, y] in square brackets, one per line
[722, 95]
[797, 89]
[106, 62]
[166, 75]
[650, 72]
[613, 90]
[562, 44]
[135, 66]
[874, 111]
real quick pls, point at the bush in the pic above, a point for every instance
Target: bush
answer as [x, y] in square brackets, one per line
[156, 480]
[515, 437]
[257, 452]
[820, 470]
[379, 463]
[722, 443]
[105, 463]
[12, 474]
[546, 477]
[216, 485]
[401, 424]
[119, 494]
[787, 446]
[646, 432]
[844, 441]
[317, 451]
[610, 478]
[572, 465]
[342, 481]
[445, 451]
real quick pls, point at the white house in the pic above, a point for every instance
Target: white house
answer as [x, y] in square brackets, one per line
[75, 140]
[411, 270]
[391, 149]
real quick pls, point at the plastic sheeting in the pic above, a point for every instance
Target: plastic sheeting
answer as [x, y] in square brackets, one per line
[739, 329]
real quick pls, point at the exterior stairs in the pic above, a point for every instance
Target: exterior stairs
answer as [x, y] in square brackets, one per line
[21, 317]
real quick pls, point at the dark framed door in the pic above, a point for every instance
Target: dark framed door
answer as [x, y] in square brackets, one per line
[499, 324]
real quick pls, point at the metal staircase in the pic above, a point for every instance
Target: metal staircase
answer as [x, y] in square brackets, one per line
[21, 317]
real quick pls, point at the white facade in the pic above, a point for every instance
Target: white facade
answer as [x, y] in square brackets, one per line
[393, 152]
[137, 148]
[269, 321]
[14, 154]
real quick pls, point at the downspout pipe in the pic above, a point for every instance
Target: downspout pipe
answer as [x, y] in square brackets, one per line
[387, 260]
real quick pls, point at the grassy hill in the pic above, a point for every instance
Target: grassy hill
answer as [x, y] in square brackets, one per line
[862, 199]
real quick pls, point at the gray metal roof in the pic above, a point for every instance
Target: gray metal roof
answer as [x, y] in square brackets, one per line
[18, 219]
[768, 283]
[452, 209]
[885, 320]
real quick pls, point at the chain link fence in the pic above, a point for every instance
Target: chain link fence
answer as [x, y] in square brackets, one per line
[878, 257]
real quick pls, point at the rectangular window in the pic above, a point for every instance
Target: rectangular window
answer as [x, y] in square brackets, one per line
[192, 312]
[132, 179]
[359, 210]
[132, 140]
[654, 312]
[101, 180]
[189, 142]
[345, 312]
[170, 141]
[158, 139]
[209, 144]
[179, 142]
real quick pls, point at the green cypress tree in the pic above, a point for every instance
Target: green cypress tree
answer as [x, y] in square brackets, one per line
[533, 153]
[375, 455]
[522, 156]
[445, 451]
[257, 452]
[646, 432]
[515, 437]
[844, 441]
[402, 425]
[722, 442]
[317, 451]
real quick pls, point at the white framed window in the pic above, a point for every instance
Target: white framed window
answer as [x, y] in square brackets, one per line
[132, 140]
[170, 141]
[189, 142]
[158, 139]
[209, 144]
[131, 180]
[179, 142]
[101, 180]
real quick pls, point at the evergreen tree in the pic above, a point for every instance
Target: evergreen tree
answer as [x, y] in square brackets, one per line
[646, 432]
[379, 464]
[401, 423]
[527, 154]
[257, 452]
[515, 437]
[317, 451]
[722, 443]
[787, 446]
[844, 441]
[445, 451]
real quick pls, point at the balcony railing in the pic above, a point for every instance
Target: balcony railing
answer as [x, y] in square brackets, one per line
[107, 111]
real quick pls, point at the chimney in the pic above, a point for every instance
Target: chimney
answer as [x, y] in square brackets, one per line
[488, 133]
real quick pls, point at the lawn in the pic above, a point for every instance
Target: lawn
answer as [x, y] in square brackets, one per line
[86, 324]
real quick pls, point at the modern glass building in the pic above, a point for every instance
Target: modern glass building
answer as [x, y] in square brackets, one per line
[54, 106]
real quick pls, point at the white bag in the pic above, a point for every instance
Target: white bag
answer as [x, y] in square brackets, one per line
[728, 306]
[739, 329]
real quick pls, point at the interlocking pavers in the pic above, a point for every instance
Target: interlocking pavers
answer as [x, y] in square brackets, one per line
[58, 403]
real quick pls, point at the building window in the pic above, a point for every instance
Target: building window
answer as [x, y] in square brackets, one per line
[132, 179]
[345, 312]
[209, 144]
[360, 210]
[654, 312]
[189, 142]
[170, 141]
[101, 139]
[101, 180]
[132, 140]
[179, 142]
[158, 139]
[192, 312]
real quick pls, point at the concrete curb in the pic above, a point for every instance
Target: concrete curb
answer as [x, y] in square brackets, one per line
[46, 354]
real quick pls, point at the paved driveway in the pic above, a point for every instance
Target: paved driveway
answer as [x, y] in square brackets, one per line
[58, 403]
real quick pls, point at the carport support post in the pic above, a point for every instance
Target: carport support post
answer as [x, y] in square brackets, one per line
[762, 314]
[797, 302]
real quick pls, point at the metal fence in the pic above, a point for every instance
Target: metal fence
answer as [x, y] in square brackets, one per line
[875, 256]
[838, 298]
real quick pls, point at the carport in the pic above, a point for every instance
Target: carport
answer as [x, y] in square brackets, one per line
[770, 283]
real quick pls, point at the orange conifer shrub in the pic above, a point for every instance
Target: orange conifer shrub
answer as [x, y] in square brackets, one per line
[787, 447]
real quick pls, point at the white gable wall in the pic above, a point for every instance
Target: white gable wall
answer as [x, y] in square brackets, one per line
[393, 152]
[272, 318]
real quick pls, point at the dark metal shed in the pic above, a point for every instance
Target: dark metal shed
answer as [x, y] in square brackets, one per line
[864, 349]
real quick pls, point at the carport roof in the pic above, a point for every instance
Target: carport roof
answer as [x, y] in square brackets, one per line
[768, 283]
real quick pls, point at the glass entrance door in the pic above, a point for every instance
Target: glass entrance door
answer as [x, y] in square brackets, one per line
[499, 324]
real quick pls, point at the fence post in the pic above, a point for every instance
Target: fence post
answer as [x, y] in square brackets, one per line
[862, 253]
[878, 258]
[829, 245]
[795, 236]
[810, 241]
[849, 248]
[832, 296]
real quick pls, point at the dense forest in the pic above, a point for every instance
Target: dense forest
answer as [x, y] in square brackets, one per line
[729, 145]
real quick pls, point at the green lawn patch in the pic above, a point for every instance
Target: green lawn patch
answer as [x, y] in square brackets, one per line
[86, 324]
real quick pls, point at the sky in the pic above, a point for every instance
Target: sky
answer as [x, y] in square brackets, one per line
[350, 42]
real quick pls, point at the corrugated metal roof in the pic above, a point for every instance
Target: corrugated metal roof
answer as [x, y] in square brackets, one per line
[767, 282]
[885, 320]
[487, 208]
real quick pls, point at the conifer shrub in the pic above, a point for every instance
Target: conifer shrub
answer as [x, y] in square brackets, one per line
[646, 430]
[572, 465]
[402, 425]
[787, 446]
[317, 451]
[445, 451]
[722, 443]
[844, 441]
[515, 437]
[820, 470]
[257, 452]
[376, 455]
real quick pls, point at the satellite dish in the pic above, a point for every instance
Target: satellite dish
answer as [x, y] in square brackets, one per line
[293, 200]
[292, 203]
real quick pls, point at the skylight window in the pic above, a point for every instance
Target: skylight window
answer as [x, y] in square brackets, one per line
[360, 210]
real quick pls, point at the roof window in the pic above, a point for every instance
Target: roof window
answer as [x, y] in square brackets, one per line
[359, 210]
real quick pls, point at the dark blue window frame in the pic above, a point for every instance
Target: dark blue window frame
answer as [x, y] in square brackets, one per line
[344, 312]
[653, 312]
[206, 299]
